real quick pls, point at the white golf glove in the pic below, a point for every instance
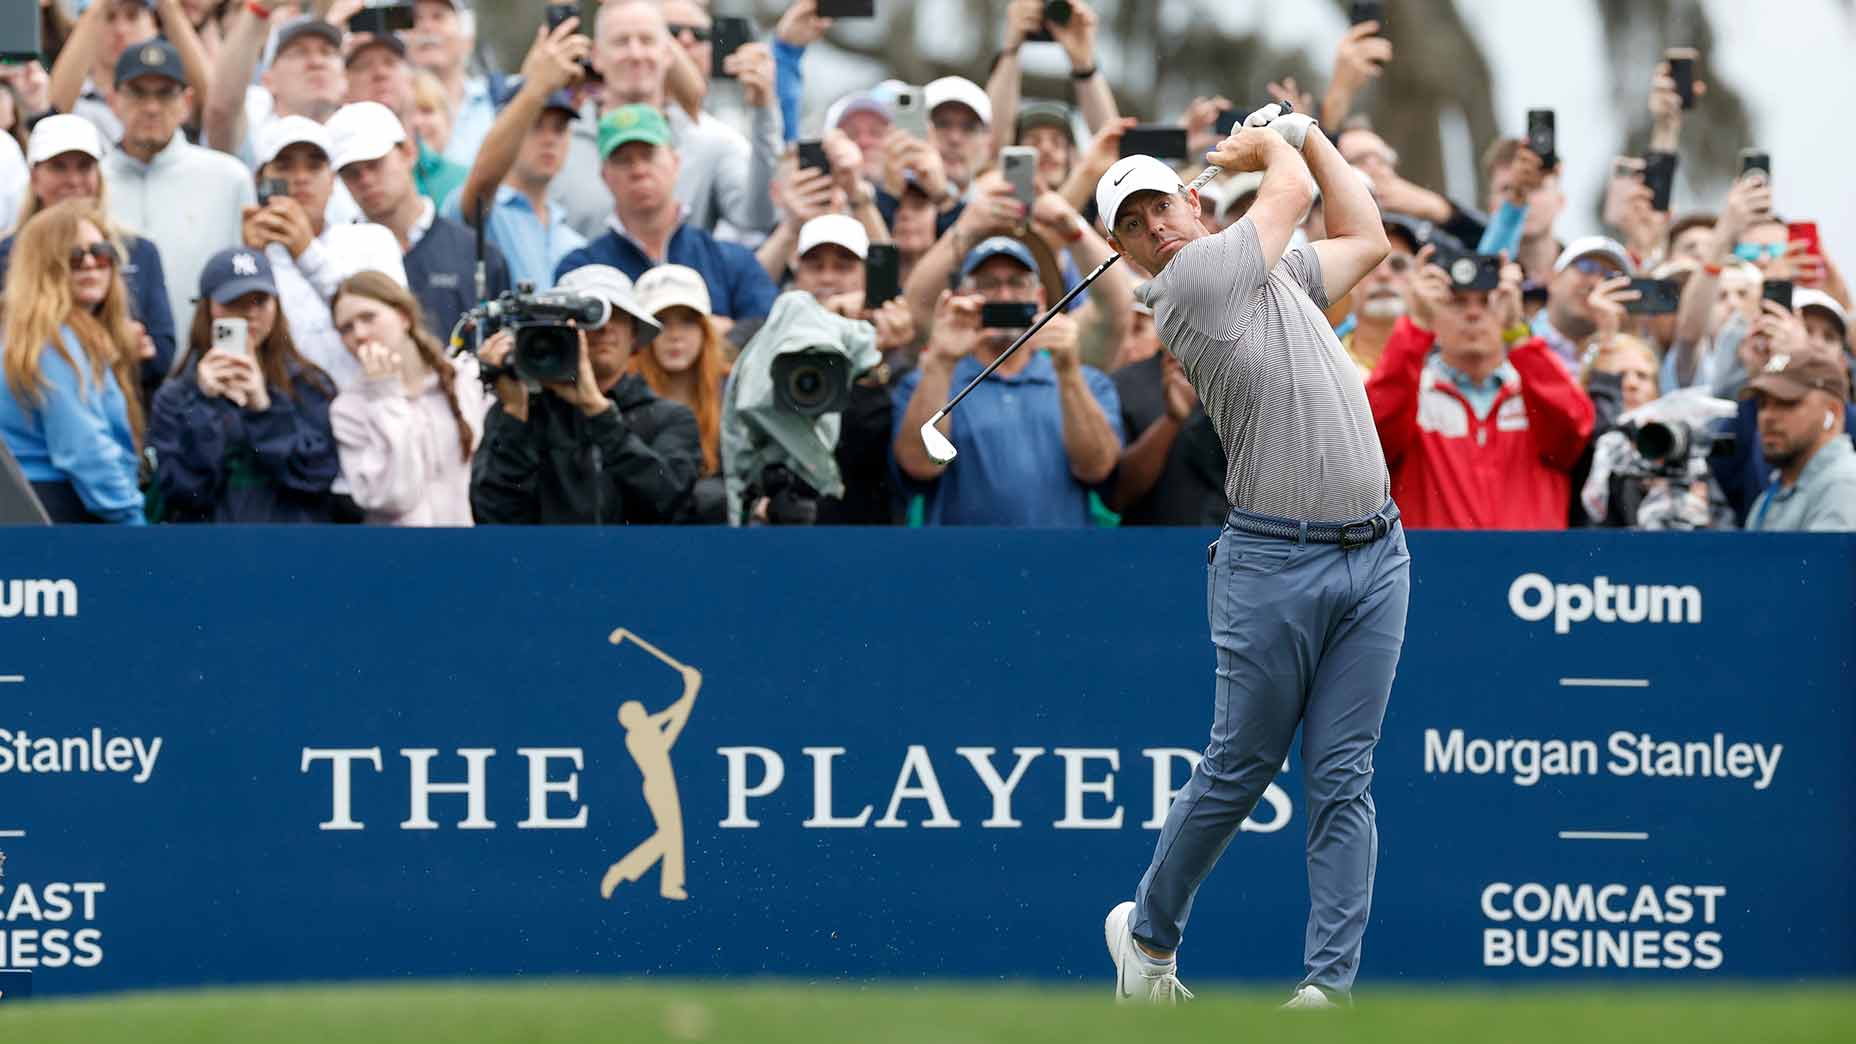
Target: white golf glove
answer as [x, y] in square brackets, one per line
[1293, 127]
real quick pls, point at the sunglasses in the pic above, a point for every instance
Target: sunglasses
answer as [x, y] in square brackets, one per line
[1752, 252]
[1594, 267]
[1399, 264]
[101, 255]
[697, 32]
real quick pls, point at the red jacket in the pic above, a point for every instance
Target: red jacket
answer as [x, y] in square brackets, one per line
[1451, 470]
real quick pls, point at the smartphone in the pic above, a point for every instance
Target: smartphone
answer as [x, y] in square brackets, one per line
[1470, 271]
[19, 33]
[1020, 166]
[728, 36]
[1755, 160]
[381, 19]
[812, 157]
[1368, 11]
[1008, 315]
[847, 8]
[1227, 121]
[911, 113]
[232, 335]
[1779, 292]
[1156, 140]
[1541, 137]
[1806, 232]
[1659, 172]
[1056, 12]
[271, 188]
[560, 13]
[1660, 297]
[1682, 70]
[882, 275]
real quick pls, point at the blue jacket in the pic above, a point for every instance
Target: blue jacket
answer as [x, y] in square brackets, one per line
[215, 462]
[739, 288]
[78, 433]
[442, 271]
[1744, 474]
[148, 304]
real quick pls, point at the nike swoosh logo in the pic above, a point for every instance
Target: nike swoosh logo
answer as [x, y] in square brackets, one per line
[1124, 176]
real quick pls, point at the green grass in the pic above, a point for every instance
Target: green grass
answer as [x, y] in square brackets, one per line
[633, 1012]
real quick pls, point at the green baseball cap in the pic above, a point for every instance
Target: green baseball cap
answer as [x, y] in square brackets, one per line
[630, 123]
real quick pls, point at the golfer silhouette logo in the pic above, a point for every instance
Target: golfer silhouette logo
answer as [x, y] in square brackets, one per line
[649, 738]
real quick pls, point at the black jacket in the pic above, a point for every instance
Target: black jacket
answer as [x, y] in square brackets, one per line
[215, 462]
[635, 463]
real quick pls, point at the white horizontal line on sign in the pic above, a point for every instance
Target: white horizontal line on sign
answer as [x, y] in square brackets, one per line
[11, 679]
[12, 833]
[1603, 835]
[1605, 683]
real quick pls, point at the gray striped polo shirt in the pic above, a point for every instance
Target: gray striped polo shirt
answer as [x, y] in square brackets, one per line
[1286, 401]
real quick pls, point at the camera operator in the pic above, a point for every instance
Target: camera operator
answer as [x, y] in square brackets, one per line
[603, 450]
[829, 265]
[1481, 433]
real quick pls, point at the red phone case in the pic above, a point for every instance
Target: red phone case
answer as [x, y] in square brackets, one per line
[1807, 232]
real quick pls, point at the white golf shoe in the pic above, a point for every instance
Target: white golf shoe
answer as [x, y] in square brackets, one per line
[1138, 980]
[1308, 997]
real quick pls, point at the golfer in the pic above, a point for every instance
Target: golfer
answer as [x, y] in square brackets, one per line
[1309, 578]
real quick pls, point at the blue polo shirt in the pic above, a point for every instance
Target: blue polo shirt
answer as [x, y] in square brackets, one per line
[1012, 469]
[531, 248]
[739, 288]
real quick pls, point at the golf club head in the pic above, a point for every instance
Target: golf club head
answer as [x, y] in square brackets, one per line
[939, 449]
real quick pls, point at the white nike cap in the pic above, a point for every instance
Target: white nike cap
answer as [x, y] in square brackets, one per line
[1130, 175]
[62, 133]
[836, 229]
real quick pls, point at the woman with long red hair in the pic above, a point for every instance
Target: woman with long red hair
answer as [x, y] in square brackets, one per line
[70, 353]
[685, 363]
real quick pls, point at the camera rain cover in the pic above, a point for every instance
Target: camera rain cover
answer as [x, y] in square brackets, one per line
[756, 430]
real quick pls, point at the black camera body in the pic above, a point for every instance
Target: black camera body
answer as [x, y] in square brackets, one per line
[1469, 271]
[381, 19]
[812, 383]
[1676, 450]
[547, 330]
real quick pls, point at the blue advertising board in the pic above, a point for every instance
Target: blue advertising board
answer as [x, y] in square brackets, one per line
[239, 755]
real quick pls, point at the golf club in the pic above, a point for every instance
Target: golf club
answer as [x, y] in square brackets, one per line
[940, 450]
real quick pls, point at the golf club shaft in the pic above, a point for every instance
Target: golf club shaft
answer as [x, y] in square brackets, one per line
[1026, 336]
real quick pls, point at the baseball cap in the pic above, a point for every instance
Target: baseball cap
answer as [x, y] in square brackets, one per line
[231, 274]
[1789, 377]
[862, 101]
[280, 134]
[1801, 300]
[629, 123]
[1587, 246]
[1415, 233]
[668, 286]
[1129, 175]
[614, 287]
[1226, 193]
[558, 100]
[838, 229]
[960, 90]
[998, 246]
[62, 133]
[363, 131]
[302, 28]
[154, 58]
[394, 42]
[1046, 114]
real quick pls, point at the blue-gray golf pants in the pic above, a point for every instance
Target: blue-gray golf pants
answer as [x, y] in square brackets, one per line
[1306, 634]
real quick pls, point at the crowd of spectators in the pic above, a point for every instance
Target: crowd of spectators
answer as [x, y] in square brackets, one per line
[245, 245]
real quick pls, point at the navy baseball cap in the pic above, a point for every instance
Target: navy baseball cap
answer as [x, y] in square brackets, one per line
[231, 274]
[559, 100]
[998, 246]
[153, 58]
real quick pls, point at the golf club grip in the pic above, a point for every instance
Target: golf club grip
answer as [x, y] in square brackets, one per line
[1205, 177]
[1028, 334]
